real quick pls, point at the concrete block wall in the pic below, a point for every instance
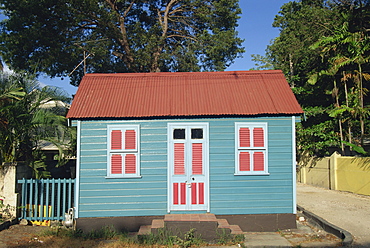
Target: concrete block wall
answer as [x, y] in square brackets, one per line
[10, 173]
[8, 187]
[351, 174]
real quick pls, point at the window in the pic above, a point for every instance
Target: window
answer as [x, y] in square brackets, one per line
[123, 151]
[251, 149]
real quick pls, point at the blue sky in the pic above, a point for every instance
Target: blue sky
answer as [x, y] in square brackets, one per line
[255, 27]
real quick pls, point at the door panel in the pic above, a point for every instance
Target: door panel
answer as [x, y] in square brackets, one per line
[188, 167]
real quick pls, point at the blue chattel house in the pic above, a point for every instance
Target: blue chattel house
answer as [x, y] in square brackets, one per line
[172, 146]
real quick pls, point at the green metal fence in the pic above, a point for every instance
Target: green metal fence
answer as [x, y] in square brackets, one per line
[46, 199]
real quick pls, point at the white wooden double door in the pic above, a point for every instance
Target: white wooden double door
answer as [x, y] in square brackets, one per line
[188, 169]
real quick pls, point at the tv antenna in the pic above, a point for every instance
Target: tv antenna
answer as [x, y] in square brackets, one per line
[83, 61]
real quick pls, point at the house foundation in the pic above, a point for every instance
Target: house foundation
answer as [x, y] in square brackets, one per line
[247, 223]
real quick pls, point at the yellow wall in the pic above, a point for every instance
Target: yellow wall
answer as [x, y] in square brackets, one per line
[353, 175]
[316, 173]
[350, 174]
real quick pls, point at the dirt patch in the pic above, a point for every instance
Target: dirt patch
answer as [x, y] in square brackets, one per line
[18, 236]
[307, 235]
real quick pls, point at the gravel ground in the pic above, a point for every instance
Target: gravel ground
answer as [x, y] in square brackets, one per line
[348, 211]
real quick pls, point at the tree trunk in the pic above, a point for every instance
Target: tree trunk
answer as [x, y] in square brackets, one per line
[347, 104]
[127, 56]
[291, 69]
[339, 118]
[362, 122]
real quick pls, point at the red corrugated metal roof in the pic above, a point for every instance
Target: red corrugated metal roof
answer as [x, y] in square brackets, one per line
[183, 94]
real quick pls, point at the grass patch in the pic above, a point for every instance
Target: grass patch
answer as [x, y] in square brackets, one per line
[105, 233]
[225, 238]
[166, 238]
[109, 237]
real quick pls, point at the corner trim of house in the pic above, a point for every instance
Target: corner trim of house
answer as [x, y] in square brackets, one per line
[294, 165]
[77, 185]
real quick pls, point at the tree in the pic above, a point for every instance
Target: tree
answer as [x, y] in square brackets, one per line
[328, 78]
[262, 62]
[348, 52]
[323, 49]
[301, 23]
[119, 35]
[25, 122]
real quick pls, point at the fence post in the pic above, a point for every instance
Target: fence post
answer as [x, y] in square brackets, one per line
[333, 170]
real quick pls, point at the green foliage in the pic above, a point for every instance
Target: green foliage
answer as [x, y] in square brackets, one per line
[106, 232]
[62, 232]
[356, 148]
[28, 121]
[324, 49]
[5, 210]
[189, 239]
[225, 238]
[166, 237]
[162, 237]
[301, 23]
[261, 62]
[120, 36]
[316, 139]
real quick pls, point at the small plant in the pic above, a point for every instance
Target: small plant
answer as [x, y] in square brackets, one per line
[106, 232]
[225, 238]
[166, 238]
[5, 210]
[162, 237]
[189, 239]
[62, 232]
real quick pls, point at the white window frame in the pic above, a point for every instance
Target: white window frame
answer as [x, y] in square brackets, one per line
[123, 151]
[251, 149]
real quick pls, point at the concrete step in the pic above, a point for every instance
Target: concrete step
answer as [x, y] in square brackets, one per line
[145, 230]
[190, 217]
[223, 223]
[158, 223]
[235, 229]
[206, 225]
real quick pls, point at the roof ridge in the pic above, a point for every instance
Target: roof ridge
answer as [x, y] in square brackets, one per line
[141, 74]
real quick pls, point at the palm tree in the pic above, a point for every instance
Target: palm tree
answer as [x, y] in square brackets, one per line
[348, 52]
[26, 122]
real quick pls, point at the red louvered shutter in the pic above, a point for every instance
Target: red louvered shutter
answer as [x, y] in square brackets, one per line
[116, 164]
[130, 139]
[201, 193]
[258, 137]
[179, 158]
[197, 158]
[244, 161]
[244, 137]
[259, 161]
[130, 164]
[176, 193]
[116, 139]
[183, 193]
[193, 193]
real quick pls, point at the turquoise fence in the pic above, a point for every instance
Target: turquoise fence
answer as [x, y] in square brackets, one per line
[46, 199]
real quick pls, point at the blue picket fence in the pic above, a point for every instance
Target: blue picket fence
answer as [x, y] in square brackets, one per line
[46, 199]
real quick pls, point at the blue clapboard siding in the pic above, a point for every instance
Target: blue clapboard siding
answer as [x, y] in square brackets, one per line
[229, 194]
